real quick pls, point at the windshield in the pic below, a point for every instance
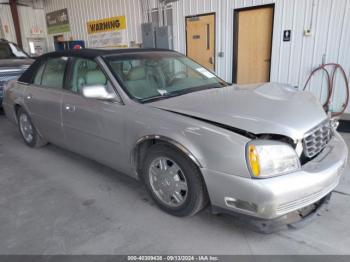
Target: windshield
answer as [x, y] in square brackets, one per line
[159, 75]
[10, 51]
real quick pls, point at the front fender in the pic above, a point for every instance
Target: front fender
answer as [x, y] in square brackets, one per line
[176, 144]
[207, 145]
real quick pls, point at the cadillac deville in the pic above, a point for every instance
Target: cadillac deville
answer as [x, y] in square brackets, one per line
[266, 153]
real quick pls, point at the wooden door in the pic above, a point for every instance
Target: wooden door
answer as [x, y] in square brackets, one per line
[200, 32]
[254, 29]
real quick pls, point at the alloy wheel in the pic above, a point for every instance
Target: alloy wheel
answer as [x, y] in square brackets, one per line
[168, 181]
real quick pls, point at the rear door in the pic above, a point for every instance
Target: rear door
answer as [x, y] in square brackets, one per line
[92, 127]
[44, 98]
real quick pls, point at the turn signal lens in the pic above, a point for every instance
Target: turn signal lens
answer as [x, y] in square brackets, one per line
[254, 160]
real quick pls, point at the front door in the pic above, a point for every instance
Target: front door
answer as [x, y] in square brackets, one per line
[200, 37]
[43, 99]
[93, 128]
[253, 40]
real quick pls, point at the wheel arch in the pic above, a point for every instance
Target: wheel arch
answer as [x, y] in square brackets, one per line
[14, 110]
[145, 142]
[16, 107]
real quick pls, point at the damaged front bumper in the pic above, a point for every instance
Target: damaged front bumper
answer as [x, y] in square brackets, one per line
[278, 198]
[295, 219]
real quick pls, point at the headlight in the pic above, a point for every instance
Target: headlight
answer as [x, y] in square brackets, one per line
[271, 158]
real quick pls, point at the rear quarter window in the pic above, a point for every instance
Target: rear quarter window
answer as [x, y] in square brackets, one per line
[29, 75]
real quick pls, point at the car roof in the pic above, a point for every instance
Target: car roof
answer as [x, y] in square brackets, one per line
[4, 41]
[94, 53]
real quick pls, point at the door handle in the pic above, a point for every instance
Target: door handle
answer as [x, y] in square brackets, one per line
[29, 97]
[69, 108]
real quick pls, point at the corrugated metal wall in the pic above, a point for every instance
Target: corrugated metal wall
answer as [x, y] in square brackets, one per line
[6, 20]
[291, 61]
[29, 18]
[81, 11]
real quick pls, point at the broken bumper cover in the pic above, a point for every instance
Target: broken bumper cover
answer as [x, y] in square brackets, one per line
[272, 198]
[296, 219]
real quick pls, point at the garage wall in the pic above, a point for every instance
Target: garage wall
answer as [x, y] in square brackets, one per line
[28, 18]
[6, 20]
[31, 18]
[81, 11]
[291, 61]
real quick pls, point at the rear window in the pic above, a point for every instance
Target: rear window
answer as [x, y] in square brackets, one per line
[28, 75]
[5, 51]
[11, 51]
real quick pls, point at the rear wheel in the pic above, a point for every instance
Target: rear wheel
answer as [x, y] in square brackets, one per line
[29, 133]
[174, 181]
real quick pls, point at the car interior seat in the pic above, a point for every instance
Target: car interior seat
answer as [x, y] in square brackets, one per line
[87, 73]
[53, 76]
[136, 80]
[95, 77]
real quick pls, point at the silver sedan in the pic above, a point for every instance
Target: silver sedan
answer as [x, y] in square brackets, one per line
[267, 152]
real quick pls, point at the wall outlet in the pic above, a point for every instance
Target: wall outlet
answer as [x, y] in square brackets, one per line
[307, 32]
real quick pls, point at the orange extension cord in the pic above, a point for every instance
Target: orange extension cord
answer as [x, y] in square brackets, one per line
[330, 81]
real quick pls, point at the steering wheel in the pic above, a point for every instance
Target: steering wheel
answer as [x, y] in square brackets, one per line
[152, 77]
[174, 76]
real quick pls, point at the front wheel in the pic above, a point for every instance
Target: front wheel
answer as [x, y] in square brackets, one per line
[29, 134]
[174, 181]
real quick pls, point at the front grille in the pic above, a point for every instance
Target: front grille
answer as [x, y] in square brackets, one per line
[317, 139]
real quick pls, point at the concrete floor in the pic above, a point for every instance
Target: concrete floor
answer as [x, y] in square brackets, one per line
[56, 202]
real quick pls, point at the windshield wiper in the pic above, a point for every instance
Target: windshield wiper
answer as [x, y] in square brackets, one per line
[158, 97]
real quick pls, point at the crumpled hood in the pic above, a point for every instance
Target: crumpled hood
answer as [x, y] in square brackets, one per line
[269, 108]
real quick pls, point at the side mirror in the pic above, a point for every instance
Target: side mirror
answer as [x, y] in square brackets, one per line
[99, 92]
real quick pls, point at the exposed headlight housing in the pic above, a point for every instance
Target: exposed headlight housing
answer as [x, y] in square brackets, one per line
[268, 158]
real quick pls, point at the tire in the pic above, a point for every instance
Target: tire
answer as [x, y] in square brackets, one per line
[194, 199]
[28, 131]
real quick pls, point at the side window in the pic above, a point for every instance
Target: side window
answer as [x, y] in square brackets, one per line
[39, 74]
[86, 72]
[53, 75]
